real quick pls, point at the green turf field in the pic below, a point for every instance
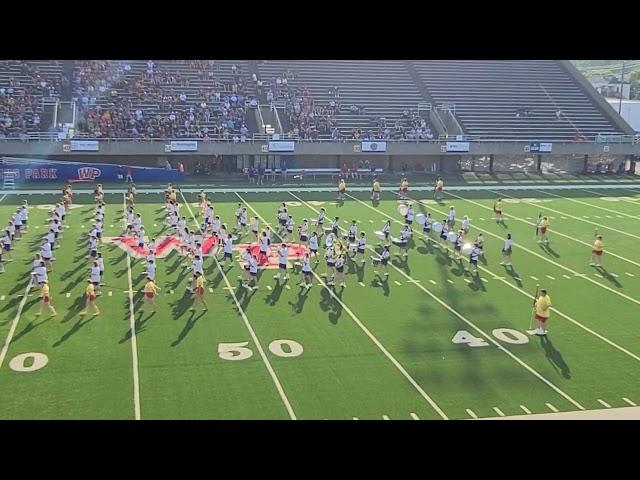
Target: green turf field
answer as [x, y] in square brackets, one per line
[374, 350]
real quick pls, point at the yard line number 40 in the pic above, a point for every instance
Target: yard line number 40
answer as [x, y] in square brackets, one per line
[506, 335]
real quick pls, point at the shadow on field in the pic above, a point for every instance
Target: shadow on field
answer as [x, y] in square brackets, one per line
[28, 328]
[303, 294]
[381, 281]
[555, 357]
[74, 309]
[181, 305]
[331, 305]
[70, 273]
[546, 248]
[190, 323]
[139, 326]
[608, 276]
[513, 274]
[273, 298]
[74, 329]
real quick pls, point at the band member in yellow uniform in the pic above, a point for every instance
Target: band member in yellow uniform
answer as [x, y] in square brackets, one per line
[199, 292]
[150, 291]
[342, 188]
[596, 252]
[99, 193]
[497, 209]
[439, 189]
[45, 299]
[202, 197]
[375, 191]
[167, 192]
[90, 294]
[404, 188]
[543, 226]
[542, 312]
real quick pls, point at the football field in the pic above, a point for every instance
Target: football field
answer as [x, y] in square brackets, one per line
[430, 341]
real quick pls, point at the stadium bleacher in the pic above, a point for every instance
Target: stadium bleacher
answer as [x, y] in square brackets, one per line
[536, 100]
[173, 98]
[382, 88]
[23, 85]
[491, 96]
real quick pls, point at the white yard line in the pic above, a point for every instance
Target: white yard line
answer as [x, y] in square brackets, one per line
[414, 416]
[488, 337]
[555, 232]
[471, 413]
[602, 402]
[552, 408]
[528, 295]
[525, 410]
[589, 205]
[14, 324]
[132, 328]
[629, 402]
[359, 323]
[265, 360]
[498, 411]
[553, 262]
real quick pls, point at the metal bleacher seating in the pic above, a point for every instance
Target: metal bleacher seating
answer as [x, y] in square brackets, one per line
[221, 81]
[383, 88]
[49, 70]
[487, 94]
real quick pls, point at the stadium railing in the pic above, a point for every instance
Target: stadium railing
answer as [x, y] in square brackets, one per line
[257, 137]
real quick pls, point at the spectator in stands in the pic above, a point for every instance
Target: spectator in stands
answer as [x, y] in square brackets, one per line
[558, 114]
[167, 165]
[419, 167]
[180, 167]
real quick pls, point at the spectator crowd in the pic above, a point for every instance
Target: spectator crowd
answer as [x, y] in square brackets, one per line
[21, 98]
[119, 101]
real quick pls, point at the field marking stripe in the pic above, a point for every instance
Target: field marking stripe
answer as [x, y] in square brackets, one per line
[414, 416]
[589, 205]
[602, 402]
[498, 411]
[265, 360]
[526, 294]
[479, 330]
[629, 401]
[552, 408]
[14, 324]
[132, 328]
[471, 413]
[553, 262]
[525, 410]
[609, 252]
[609, 210]
[3, 197]
[385, 417]
[370, 335]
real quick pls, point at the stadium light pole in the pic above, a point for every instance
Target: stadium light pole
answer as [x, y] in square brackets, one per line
[621, 90]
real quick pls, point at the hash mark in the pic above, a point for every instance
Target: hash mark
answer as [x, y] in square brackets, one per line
[498, 411]
[629, 401]
[414, 416]
[471, 413]
[552, 408]
[525, 410]
[602, 402]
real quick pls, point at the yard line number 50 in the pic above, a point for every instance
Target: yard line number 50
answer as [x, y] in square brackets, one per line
[240, 351]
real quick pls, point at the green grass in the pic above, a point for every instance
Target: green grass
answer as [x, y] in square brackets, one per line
[374, 349]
